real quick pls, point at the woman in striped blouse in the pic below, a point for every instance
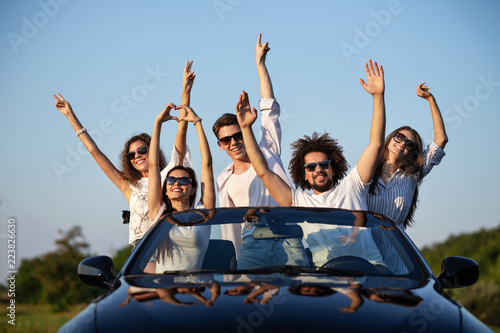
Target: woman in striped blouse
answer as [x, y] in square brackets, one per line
[401, 168]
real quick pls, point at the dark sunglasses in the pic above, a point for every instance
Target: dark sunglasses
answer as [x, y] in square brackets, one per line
[141, 151]
[312, 166]
[183, 181]
[227, 139]
[408, 144]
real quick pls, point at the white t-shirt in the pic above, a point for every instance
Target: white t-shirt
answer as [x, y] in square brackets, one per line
[350, 193]
[247, 189]
[324, 239]
[185, 247]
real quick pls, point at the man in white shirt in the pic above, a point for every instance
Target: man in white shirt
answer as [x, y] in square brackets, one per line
[318, 164]
[239, 185]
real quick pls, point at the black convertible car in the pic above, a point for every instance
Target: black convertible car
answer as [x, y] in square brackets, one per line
[298, 270]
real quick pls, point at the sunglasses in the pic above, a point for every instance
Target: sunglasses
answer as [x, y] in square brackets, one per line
[141, 151]
[312, 166]
[183, 181]
[408, 144]
[227, 139]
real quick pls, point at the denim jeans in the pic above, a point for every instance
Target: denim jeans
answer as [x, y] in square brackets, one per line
[260, 252]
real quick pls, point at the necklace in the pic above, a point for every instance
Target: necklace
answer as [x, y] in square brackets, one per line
[388, 169]
[387, 172]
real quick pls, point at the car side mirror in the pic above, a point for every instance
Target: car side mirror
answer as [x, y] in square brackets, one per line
[458, 272]
[97, 271]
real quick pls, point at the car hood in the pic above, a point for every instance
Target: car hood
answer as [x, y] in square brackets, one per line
[377, 304]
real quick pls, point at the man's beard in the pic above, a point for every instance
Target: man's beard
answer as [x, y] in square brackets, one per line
[324, 187]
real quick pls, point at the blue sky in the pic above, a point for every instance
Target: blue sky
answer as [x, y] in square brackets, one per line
[120, 62]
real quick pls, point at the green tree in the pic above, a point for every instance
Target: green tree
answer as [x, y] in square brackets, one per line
[483, 298]
[29, 285]
[120, 257]
[52, 278]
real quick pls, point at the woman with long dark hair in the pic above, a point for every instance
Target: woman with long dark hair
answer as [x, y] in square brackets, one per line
[183, 247]
[403, 164]
[401, 168]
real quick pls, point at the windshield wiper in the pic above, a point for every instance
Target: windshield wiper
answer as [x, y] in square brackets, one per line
[267, 269]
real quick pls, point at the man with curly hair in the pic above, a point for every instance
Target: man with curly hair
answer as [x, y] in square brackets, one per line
[333, 153]
[318, 164]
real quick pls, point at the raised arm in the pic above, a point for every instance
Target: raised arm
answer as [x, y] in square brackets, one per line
[104, 163]
[278, 188]
[155, 195]
[180, 138]
[270, 126]
[375, 87]
[266, 87]
[440, 137]
[207, 174]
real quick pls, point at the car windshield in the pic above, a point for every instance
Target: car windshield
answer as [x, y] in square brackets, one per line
[275, 240]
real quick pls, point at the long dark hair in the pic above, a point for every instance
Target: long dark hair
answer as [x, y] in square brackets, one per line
[166, 247]
[411, 164]
[130, 174]
[194, 184]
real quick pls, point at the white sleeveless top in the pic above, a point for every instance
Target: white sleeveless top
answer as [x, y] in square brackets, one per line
[185, 246]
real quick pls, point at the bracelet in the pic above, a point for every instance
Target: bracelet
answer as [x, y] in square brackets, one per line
[81, 131]
[197, 120]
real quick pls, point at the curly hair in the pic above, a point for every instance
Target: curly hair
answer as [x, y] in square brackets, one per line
[130, 174]
[324, 144]
[411, 164]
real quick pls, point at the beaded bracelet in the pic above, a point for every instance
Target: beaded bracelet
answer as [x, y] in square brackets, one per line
[81, 131]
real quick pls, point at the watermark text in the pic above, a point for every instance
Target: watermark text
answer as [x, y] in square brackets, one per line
[12, 270]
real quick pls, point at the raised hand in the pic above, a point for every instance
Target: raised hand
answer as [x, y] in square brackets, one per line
[250, 218]
[261, 50]
[250, 300]
[375, 78]
[346, 240]
[423, 91]
[165, 114]
[190, 116]
[215, 291]
[246, 115]
[62, 105]
[188, 77]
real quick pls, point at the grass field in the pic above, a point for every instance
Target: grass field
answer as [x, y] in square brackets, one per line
[38, 319]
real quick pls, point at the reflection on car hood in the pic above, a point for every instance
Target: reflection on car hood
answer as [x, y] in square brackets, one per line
[267, 303]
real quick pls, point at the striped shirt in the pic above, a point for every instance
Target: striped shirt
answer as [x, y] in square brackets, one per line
[394, 198]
